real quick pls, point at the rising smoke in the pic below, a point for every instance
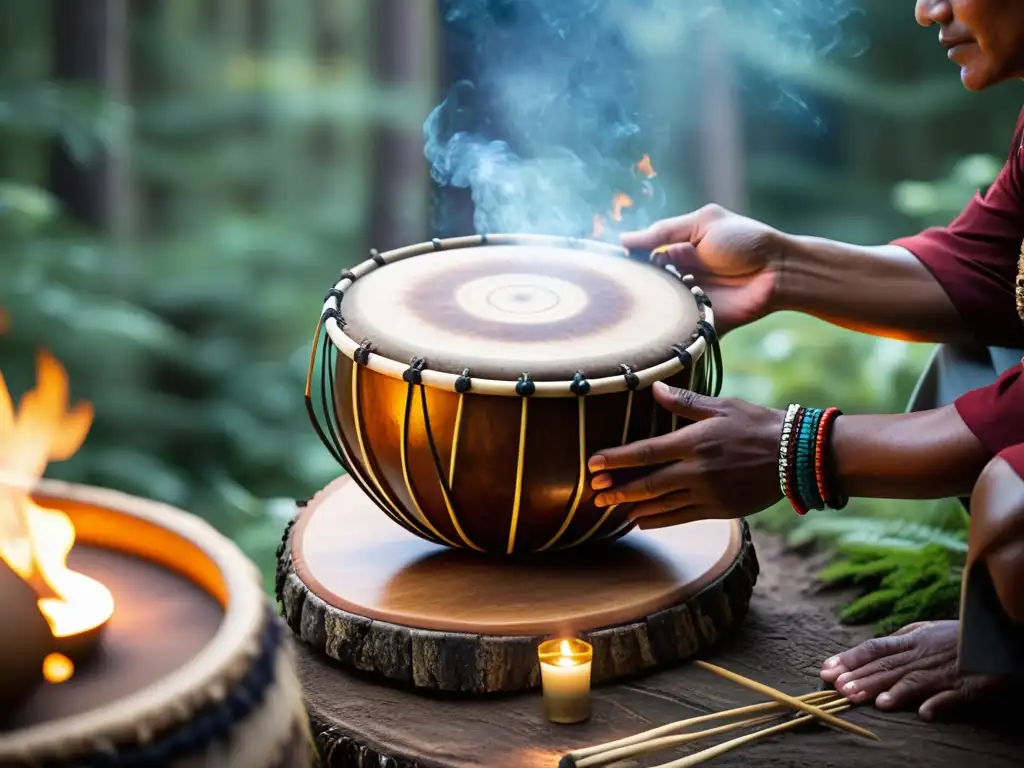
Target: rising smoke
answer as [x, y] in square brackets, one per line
[558, 108]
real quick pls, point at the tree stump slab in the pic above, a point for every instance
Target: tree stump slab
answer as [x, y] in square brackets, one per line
[359, 722]
[379, 600]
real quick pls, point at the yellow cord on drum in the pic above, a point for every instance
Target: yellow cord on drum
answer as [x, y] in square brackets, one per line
[455, 441]
[520, 463]
[362, 450]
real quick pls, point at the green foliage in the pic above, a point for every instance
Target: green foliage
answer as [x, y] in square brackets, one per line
[190, 328]
[902, 585]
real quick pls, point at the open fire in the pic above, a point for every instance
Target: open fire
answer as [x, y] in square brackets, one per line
[643, 172]
[35, 541]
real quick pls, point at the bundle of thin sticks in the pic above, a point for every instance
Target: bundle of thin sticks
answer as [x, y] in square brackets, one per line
[820, 706]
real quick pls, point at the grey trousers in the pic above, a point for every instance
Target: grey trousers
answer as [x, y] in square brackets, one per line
[989, 642]
[955, 370]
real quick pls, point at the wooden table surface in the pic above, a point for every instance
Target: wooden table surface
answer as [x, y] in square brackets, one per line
[790, 629]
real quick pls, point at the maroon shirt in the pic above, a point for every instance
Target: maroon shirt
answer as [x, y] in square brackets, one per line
[975, 261]
[1015, 458]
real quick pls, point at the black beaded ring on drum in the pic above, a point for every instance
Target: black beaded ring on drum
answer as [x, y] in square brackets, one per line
[212, 722]
[708, 375]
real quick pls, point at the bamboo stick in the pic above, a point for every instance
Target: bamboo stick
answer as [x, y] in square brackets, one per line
[720, 749]
[668, 742]
[785, 698]
[664, 730]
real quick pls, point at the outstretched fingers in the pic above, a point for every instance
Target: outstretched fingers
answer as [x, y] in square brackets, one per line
[879, 676]
[643, 453]
[656, 484]
[863, 654]
[917, 686]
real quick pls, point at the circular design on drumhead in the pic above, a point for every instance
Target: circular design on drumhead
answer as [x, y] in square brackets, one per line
[504, 310]
[521, 298]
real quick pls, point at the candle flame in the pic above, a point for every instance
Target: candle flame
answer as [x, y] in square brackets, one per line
[57, 668]
[35, 541]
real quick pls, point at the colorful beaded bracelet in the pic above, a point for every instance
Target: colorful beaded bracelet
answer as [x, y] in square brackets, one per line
[805, 473]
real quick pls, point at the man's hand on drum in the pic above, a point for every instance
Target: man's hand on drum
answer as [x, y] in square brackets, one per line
[736, 260]
[724, 465]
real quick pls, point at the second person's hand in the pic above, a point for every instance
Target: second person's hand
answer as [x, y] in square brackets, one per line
[735, 259]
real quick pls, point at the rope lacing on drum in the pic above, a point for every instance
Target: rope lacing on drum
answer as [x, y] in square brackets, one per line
[413, 376]
[525, 386]
[702, 299]
[335, 313]
[705, 329]
[579, 386]
[632, 380]
[463, 384]
[377, 258]
[436, 243]
[414, 373]
[346, 274]
[683, 354]
[334, 293]
[362, 353]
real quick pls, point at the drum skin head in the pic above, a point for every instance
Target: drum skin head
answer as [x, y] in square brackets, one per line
[505, 310]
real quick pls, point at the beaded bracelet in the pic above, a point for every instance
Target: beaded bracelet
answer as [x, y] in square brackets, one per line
[823, 471]
[805, 473]
[806, 482]
[787, 458]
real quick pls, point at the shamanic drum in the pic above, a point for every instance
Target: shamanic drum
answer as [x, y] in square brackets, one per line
[477, 375]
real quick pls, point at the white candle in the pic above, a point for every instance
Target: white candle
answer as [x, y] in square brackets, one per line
[565, 678]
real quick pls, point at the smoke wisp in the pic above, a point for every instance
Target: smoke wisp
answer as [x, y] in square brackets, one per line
[562, 98]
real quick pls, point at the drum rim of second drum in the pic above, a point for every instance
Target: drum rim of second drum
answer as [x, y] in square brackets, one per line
[362, 353]
[168, 702]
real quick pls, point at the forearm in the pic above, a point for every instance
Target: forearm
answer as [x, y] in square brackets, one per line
[924, 455]
[882, 290]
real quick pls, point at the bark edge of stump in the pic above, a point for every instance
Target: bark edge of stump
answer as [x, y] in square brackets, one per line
[467, 663]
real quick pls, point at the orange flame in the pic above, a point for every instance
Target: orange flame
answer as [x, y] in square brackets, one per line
[620, 201]
[598, 230]
[57, 668]
[646, 168]
[35, 541]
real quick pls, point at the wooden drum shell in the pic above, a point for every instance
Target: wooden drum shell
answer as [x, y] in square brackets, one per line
[485, 476]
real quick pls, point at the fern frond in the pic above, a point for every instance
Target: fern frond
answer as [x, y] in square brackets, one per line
[871, 607]
[888, 534]
[850, 571]
[941, 600]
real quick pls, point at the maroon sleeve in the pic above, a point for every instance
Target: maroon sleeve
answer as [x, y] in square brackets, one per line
[974, 258]
[995, 414]
[1014, 456]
